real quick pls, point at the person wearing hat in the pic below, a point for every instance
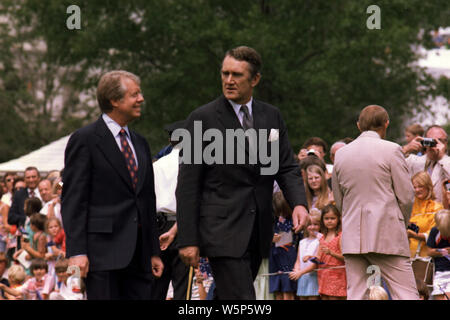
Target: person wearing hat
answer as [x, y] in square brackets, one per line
[166, 171]
[168, 149]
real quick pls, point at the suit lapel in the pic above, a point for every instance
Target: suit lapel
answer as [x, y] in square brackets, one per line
[226, 115]
[108, 146]
[260, 122]
[259, 117]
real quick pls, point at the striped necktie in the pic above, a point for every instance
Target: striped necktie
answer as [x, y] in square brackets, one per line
[247, 121]
[129, 157]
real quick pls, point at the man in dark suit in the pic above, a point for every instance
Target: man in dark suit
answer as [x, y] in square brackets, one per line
[108, 198]
[16, 214]
[224, 210]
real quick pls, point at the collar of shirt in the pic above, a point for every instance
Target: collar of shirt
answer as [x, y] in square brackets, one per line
[113, 126]
[36, 192]
[237, 107]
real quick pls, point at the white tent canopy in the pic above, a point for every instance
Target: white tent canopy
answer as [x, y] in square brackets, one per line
[46, 158]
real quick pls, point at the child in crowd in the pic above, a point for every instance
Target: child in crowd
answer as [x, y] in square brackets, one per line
[331, 274]
[318, 194]
[38, 246]
[304, 270]
[16, 278]
[65, 286]
[3, 273]
[202, 280]
[56, 243]
[26, 235]
[283, 252]
[439, 249]
[41, 284]
[38, 287]
[378, 293]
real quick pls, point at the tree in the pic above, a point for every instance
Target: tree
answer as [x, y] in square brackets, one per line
[321, 62]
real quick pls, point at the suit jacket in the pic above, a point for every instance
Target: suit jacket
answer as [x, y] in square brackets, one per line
[441, 171]
[217, 203]
[16, 214]
[100, 208]
[373, 191]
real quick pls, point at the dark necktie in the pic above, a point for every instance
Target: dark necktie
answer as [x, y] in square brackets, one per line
[31, 193]
[247, 121]
[129, 157]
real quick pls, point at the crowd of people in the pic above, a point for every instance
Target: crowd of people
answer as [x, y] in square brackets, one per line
[114, 225]
[308, 265]
[317, 271]
[33, 265]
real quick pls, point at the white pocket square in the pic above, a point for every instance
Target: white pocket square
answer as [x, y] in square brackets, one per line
[274, 135]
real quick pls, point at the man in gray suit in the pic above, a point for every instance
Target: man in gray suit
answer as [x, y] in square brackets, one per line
[372, 188]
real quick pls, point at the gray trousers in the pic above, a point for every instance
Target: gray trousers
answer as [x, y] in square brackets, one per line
[395, 270]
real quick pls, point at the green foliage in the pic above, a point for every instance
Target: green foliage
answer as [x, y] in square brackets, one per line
[321, 64]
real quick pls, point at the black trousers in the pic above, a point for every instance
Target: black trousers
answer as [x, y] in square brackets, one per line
[130, 283]
[234, 277]
[174, 269]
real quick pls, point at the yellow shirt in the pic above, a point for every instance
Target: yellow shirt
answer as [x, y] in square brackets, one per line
[422, 215]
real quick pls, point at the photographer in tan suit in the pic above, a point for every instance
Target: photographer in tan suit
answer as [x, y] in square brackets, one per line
[372, 188]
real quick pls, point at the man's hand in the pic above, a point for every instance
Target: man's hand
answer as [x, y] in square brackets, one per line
[436, 153]
[157, 266]
[302, 154]
[190, 255]
[300, 217]
[81, 262]
[413, 146]
[165, 240]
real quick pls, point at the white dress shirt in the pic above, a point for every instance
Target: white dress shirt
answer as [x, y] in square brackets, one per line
[115, 128]
[237, 108]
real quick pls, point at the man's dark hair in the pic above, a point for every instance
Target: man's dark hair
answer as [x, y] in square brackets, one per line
[249, 55]
[33, 168]
[316, 141]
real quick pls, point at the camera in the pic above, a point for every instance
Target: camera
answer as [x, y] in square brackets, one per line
[414, 227]
[311, 152]
[428, 142]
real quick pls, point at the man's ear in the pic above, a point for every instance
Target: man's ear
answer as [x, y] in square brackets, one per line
[114, 103]
[387, 124]
[256, 79]
[357, 124]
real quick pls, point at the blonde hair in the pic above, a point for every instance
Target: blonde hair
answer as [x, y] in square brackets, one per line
[377, 293]
[314, 214]
[323, 194]
[16, 273]
[442, 219]
[424, 180]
